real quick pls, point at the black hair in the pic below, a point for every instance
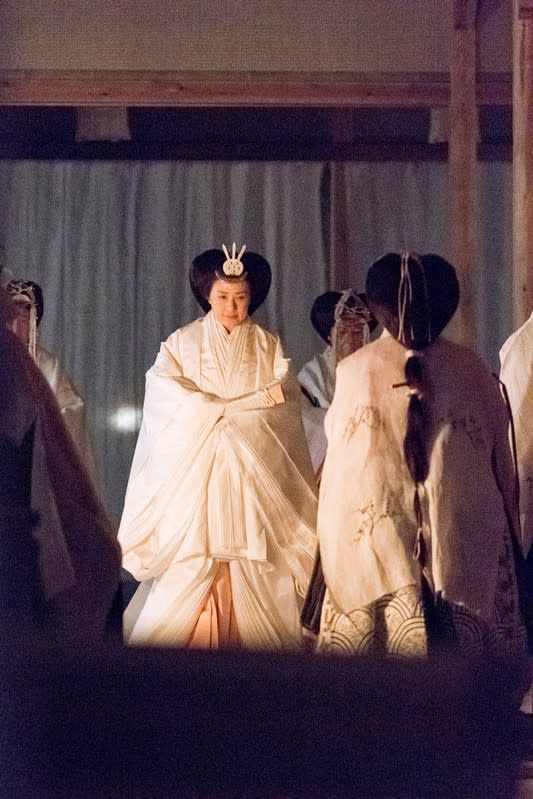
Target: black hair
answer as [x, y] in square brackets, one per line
[204, 269]
[414, 297]
[414, 443]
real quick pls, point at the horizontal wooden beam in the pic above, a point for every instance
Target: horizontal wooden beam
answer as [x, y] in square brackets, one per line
[204, 89]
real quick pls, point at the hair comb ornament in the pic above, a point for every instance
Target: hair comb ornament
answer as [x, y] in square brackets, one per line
[233, 267]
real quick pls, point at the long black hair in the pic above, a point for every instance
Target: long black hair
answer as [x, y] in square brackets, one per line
[414, 297]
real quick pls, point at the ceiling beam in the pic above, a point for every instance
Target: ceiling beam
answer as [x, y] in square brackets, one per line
[234, 89]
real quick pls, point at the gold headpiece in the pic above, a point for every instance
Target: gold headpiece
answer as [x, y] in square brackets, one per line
[233, 267]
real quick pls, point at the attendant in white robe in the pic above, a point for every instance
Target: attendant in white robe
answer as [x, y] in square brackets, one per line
[220, 510]
[343, 321]
[28, 298]
[417, 515]
[516, 357]
[60, 561]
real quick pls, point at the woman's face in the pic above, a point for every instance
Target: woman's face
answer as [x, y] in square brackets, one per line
[229, 302]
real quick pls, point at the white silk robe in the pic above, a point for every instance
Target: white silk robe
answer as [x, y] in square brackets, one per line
[366, 522]
[216, 476]
[70, 403]
[516, 358]
[78, 556]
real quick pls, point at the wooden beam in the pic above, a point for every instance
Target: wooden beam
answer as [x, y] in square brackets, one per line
[522, 166]
[232, 89]
[340, 256]
[463, 171]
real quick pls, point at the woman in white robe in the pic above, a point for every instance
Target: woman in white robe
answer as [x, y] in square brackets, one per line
[417, 515]
[220, 510]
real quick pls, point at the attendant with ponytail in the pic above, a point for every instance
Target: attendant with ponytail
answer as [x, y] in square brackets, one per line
[417, 513]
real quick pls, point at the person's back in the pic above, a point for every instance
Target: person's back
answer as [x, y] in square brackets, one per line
[417, 504]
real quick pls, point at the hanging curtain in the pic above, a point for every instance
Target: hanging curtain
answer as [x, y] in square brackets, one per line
[111, 242]
[403, 205]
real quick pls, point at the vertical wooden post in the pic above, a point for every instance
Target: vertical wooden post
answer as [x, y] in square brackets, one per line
[339, 266]
[463, 135]
[522, 161]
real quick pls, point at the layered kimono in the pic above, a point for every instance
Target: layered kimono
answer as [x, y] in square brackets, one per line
[516, 358]
[218, 477]
[70, 403]
[367, 525]
[55, 535]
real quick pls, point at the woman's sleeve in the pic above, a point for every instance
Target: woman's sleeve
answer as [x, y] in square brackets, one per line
[268, 395]
[168, 390]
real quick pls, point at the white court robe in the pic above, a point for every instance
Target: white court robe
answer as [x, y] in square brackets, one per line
[317, 377]
[516, 357]
[217, 476]
[70, 403]
[78, 556]
[366, 520]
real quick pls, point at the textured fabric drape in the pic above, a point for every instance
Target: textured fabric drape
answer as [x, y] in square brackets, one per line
[111, 242]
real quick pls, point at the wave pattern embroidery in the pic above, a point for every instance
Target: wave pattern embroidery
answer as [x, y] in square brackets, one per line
[393, 625]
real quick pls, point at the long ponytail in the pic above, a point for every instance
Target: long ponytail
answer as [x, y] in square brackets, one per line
[414, 443]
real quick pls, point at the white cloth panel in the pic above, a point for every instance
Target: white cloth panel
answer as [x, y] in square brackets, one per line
[111, 242]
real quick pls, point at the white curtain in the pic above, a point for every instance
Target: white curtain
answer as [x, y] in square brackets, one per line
[401, 205]
[111, 243]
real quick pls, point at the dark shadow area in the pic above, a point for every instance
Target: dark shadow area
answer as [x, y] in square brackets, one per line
[267, 133]
[167, 723]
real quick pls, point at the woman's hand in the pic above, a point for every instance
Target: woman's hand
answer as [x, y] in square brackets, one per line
[265, 397]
